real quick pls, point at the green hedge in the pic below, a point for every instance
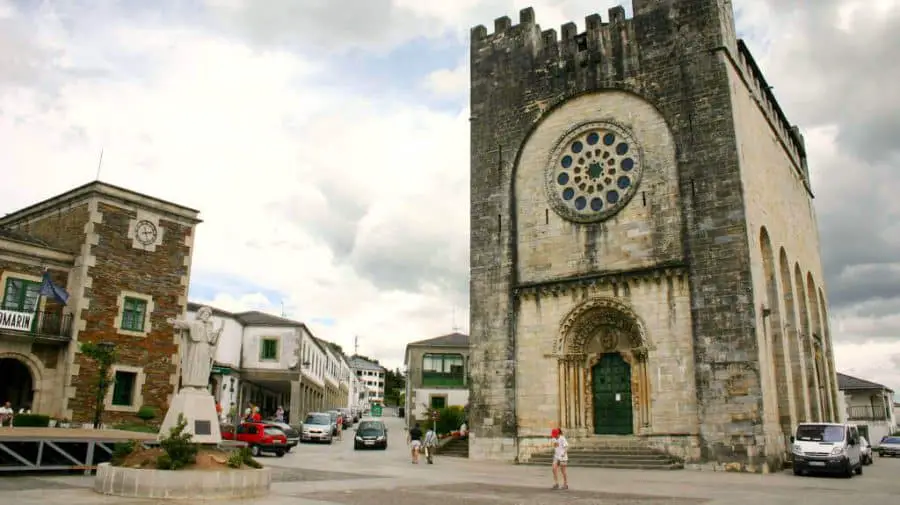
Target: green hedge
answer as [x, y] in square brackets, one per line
[31, 421]
[450, 419]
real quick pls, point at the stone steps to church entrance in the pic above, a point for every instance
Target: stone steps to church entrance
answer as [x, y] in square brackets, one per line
[614, 464]
[606, 456]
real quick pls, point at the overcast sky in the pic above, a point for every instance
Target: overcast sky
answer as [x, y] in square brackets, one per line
[326, 144]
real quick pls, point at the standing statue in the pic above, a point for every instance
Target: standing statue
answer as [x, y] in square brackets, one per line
[199, 340]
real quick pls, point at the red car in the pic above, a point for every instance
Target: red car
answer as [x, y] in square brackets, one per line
[260, 437]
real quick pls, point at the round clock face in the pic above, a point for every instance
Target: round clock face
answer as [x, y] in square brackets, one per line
[146, 233]
[593, 172]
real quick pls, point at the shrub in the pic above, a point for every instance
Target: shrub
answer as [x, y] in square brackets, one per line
[242, 457]
[31, 421]
[122, 450]
[450, 419]
[179, 450]
[146, 413]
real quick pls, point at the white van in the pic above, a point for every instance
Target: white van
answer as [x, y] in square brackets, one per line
[827, 448]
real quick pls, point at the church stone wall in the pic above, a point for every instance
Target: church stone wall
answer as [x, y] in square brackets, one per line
[663, 305]
[779, 205]
[674, 54]
[645, 233]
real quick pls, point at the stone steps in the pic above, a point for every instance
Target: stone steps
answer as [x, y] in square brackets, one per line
[454, 448]
[600, 452]
[614, 465]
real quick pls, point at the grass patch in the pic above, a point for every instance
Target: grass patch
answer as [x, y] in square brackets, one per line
[138, 427]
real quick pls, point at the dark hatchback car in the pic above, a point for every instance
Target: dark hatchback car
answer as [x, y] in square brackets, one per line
[370, 435]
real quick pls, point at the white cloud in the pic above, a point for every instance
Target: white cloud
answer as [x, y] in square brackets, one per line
[449, 83]
[312, 191]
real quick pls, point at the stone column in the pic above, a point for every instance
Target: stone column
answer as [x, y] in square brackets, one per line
[295, 408]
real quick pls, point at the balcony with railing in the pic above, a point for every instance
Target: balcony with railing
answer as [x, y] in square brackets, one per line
[443, 379]
[52, 325]
[867, 413]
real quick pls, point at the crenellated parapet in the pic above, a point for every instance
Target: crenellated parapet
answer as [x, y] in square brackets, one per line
[607, 47]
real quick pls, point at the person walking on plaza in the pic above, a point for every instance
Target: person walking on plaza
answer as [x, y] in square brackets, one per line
[340, 426]
[414, 439]
[560, 457]
[430, 443]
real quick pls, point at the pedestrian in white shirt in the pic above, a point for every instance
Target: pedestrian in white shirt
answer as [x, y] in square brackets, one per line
[6, 415]
[430, 443]
[560, 457]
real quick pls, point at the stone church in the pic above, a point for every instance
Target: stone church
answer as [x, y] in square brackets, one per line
[645, 260]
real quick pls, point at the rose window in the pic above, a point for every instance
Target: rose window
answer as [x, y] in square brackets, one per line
[593, 172]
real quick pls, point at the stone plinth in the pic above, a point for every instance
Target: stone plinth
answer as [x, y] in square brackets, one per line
[182, 484]
[199, 409]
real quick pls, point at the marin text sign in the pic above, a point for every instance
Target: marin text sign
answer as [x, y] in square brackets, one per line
[12, 320]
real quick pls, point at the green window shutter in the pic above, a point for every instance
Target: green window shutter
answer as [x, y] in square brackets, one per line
[133, 313]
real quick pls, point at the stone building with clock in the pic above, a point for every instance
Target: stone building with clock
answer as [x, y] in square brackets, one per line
[124, 260]
[645, 266]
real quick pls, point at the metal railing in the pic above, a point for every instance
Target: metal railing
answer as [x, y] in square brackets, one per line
[44, 323]
[867, 413]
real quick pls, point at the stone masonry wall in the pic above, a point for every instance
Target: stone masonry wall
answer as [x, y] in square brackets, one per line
[120, 267]
[647, 232]
[779, 200]
[46, 361]
[63, 228]
[671, 54]
[664, 307]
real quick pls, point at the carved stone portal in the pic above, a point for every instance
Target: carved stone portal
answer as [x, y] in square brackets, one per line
[594, 328]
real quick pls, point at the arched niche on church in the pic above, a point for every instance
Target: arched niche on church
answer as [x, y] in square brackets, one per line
[604, 386]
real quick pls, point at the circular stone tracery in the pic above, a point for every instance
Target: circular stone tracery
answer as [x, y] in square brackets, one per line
[593, 172]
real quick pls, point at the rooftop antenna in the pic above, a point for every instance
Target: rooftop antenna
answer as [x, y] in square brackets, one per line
[283, 314]
[99, 164]
[355, 345]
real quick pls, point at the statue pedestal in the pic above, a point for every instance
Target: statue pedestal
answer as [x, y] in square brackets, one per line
[199, 409]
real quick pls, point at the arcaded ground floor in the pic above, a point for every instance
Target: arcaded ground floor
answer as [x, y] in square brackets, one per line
[337, 475]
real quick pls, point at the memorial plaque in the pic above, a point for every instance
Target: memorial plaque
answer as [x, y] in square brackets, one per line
[202, 427]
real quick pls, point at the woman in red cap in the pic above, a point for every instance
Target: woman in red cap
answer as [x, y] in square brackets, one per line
[560, 457]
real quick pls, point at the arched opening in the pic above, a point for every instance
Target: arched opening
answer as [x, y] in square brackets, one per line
[771, 314]
[829, 359]
[792, 337]
[805, 337]
[603, 381]
[16, 384]
[815, 335]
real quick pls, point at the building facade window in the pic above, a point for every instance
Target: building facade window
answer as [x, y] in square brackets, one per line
[438, 402]
[134, 311]
[133, 318]
[21, 295]
[126, 393]
[443, 370]
[268, 349]
[123, 388]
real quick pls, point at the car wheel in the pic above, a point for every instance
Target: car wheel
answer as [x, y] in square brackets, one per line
[356, 447]
[280, 454]
[254, 450]
[859, 469]
[797, 471]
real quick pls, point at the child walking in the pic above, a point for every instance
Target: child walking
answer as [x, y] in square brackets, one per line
[560, 458]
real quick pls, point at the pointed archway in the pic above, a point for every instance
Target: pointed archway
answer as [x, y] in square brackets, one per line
[602, 351]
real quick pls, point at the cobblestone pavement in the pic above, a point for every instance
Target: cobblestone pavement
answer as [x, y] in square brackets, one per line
[338, 475]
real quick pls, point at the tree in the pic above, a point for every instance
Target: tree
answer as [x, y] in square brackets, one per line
[394, 385]
[105, 355]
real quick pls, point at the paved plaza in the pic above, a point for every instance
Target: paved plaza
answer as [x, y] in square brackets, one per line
[338, 475]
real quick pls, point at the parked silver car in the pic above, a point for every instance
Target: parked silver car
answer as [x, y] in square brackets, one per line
[889, 446]
[317, 427]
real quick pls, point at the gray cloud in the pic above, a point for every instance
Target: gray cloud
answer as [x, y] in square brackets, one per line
[834, 72]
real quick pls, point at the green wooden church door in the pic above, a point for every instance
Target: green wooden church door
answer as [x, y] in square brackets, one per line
[612, 396]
